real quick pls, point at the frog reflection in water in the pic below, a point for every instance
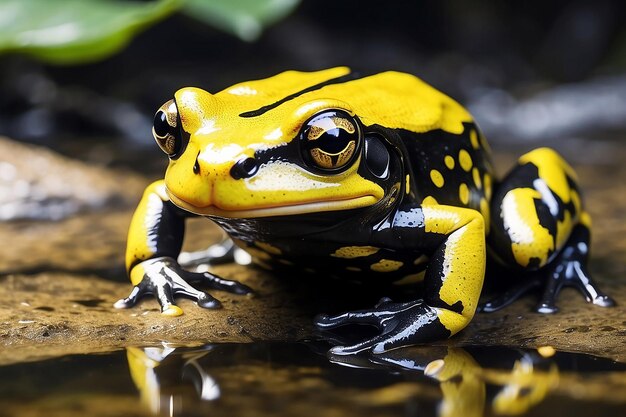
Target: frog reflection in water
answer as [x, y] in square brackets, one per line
[165, 375]
[370, 177]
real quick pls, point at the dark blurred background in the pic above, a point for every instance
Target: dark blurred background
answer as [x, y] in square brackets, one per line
[532, 72]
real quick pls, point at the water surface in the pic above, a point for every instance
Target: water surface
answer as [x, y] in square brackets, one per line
[297, 379]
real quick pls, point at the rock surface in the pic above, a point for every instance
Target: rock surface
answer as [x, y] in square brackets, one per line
[60, 279]
[36, 183]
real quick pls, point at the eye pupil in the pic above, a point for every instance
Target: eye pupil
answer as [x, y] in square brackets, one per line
[330, 141]
[334, 141]
[161, 126]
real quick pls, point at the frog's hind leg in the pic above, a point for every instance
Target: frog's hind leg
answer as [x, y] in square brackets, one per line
[542, 229]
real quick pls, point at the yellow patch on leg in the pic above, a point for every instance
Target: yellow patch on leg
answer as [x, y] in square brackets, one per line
[452, 321]
[552, 169]
[585, 219]
[464, 258]
[529, 239]
[137, 274]
[140, 244]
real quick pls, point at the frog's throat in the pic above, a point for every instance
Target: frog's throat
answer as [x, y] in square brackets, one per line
[304, 208]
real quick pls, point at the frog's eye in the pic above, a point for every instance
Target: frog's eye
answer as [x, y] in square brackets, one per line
[330, 140]
[166, 129]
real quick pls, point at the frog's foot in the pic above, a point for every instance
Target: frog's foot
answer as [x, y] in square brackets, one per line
[401, 324]
[568, 269]
[571, 270]
[512, 294]
[165, 279]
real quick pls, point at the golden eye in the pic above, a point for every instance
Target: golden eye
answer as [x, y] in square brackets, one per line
[166, 129]
[330, 140]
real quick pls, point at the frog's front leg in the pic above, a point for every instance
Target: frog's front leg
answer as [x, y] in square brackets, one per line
[539, 226]
[452, 282]
[154, 241]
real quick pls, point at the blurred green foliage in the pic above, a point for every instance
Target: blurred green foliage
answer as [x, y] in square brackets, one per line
[78, 31]
[244, 18]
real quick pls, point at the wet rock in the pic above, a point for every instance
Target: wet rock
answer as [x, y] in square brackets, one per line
[36, 183]
[54, 314]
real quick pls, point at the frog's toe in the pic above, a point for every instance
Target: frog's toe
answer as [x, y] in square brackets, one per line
[204, 300]
[216, 283]
[373, 317]
[572, 273]
[546, 308]
[135, 295]
[172, 310]
[179, 287]
[603, 300]
[163, 293]
[400, 324]
[166, 280]
[375, 345]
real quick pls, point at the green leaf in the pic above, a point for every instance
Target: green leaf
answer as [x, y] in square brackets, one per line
[244, 18]
[74, 31]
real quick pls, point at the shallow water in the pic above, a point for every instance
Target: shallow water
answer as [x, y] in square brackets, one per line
[267, 379]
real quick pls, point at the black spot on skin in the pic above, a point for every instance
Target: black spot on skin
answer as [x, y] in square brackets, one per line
[534, 263]
[457, 307]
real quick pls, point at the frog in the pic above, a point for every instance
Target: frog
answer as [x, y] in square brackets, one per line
[374, 177]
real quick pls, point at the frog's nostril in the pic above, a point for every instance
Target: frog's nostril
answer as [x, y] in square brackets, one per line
[244, 168]
[196, 166]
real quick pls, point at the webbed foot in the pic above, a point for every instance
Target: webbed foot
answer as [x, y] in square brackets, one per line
[401, 324]
[164, 278]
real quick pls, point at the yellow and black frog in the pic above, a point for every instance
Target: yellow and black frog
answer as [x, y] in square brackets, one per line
[376, 176]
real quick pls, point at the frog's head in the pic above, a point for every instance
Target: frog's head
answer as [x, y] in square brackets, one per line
[279, 146]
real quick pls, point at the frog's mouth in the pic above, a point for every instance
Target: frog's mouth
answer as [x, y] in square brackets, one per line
[286, 210]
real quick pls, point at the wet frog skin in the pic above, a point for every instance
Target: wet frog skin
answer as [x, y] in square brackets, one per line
[378, 177]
